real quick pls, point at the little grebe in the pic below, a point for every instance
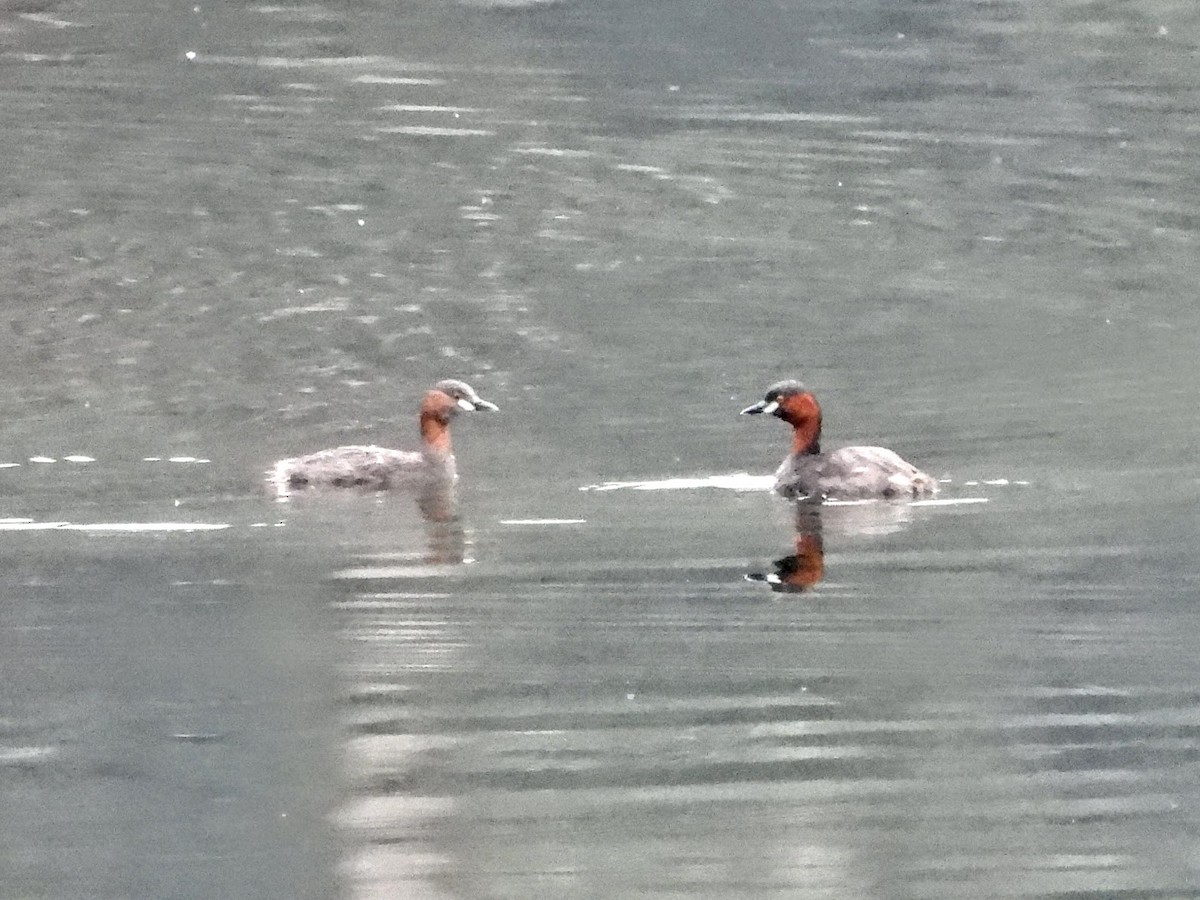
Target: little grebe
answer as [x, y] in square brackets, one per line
[851, 473]
[381, 469]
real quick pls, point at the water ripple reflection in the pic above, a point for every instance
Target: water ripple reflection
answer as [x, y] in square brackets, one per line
[863, 736]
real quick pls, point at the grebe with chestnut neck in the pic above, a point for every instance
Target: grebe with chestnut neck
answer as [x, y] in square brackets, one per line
[380, 468]
[851, 473]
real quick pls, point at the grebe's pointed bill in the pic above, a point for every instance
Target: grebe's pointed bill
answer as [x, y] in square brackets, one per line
[463, 395]
[762, 407]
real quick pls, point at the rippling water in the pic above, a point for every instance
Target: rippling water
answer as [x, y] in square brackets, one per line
[232, 234]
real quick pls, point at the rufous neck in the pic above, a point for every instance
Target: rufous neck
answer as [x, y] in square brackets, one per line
[802, 412]
[807, 436]
[435, 434]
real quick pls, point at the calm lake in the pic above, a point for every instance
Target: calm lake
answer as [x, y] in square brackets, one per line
[231, 233]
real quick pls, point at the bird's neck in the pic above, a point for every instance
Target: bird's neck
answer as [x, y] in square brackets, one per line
[435, 434]
[806, 436]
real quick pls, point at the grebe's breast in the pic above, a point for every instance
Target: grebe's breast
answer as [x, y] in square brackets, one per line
[367, 467]
[852, 473]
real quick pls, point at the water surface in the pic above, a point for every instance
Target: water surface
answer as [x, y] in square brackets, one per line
[234, 234]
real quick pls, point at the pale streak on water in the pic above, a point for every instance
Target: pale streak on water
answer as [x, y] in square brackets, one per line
[233, 234]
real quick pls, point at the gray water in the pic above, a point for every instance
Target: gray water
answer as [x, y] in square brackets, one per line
[231, 233]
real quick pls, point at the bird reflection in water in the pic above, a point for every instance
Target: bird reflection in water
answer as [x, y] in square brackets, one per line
[392, 531]
[445, 535]
[801, 571]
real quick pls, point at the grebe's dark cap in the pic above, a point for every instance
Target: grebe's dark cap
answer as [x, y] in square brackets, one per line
[776, 392]
[465, 395]
[785, 388]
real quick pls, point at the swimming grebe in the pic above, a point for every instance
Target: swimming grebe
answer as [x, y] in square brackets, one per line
[381, 469]
[851, 473]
